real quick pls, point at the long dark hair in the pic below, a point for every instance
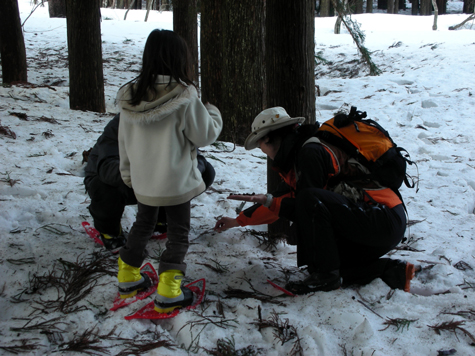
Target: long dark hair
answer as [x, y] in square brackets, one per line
[165, 53]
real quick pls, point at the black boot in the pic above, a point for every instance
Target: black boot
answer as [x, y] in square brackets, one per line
[113, 243]
[316, 282]
[398, 274]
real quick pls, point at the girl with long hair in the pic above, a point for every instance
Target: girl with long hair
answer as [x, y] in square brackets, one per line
[163, 122]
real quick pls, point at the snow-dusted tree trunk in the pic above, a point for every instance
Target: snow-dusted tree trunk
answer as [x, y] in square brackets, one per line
[436, 14]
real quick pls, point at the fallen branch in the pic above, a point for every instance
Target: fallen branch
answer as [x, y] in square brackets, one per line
[23, 347]
[452, 326]
[471, 17]
[399, 323]
[283, 330]
[5, 130]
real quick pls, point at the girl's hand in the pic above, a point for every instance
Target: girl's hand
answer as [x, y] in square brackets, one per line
[225, 223]
[255, 198]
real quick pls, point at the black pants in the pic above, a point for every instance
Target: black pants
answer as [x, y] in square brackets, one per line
[334, 233]
[108, 202]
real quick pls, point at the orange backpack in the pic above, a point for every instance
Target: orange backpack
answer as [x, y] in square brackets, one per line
[371, 146]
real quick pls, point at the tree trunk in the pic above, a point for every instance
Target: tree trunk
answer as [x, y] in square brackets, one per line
[426, 7]
[358, 6]
[290, 69]
[391, 6]
[185, 24]
[415, 7]
[211, 53]
[232, 58]
[442, 7]
[382, 4]
[369, 6]
[57, 8]
[325, 8]
[468, 6]
[436, 15]
[86, 78]
[12, 44]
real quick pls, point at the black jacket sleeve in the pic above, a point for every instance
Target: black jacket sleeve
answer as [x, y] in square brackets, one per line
[104, 158]
[108, 154]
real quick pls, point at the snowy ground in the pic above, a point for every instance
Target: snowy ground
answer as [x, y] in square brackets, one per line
[425, 98]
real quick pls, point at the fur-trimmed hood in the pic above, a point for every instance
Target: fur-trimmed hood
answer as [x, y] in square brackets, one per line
[169, 98]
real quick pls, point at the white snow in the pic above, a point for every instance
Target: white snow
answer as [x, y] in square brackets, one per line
[425, 98]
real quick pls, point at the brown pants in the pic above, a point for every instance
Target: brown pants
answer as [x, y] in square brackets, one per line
[178, 219]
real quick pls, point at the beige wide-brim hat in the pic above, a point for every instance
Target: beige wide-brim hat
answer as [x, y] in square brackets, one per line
[269, 120]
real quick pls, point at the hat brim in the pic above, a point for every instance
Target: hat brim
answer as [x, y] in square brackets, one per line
[251, 140]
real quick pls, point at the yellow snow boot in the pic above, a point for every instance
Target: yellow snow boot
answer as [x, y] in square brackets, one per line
[131, 280]
[170, 294]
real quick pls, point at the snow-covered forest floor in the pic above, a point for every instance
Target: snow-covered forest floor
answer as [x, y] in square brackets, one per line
[57, 285]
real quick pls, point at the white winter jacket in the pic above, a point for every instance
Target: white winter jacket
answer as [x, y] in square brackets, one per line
[158, 142]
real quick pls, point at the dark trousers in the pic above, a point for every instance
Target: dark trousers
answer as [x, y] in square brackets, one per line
[334, 233]
[108, 202]
[178, 219]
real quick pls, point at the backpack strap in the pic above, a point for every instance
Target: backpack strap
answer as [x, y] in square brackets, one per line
[335, 161]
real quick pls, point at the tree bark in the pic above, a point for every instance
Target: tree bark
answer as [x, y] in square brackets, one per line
[12, 43]
[426, 7]
[86, 78]
[325, 8]
[369, 6]
[232, 58]
[441, 7]
[211, 53]
[468, 6]
[415, 7]
[391, 6]
[57, 8]
[185, 13]
[436, 15]
[290, 69]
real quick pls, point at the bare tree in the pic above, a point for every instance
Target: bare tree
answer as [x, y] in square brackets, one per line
[12, 44]
[86, 78]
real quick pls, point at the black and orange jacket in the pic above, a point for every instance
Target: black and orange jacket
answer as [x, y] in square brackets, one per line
[315, 165]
